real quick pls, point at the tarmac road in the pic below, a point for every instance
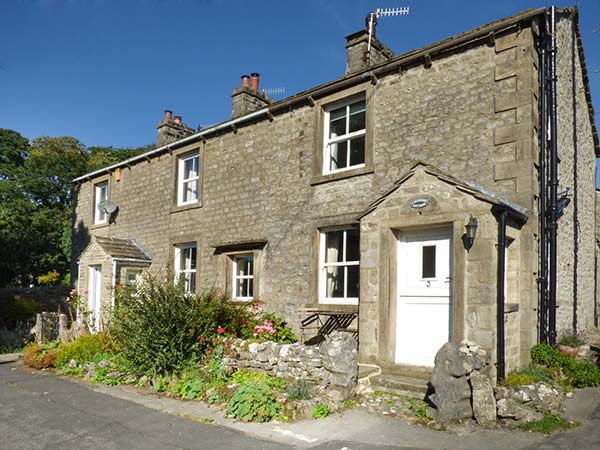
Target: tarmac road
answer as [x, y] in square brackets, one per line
[42, 411]
[38, 411]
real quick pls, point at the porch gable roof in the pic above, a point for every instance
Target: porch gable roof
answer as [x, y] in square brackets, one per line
[120, 249]
[476, 191]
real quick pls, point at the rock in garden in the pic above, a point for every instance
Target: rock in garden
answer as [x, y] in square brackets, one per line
[484, 402]
[452, 398]
[511, 409]
[339, 353]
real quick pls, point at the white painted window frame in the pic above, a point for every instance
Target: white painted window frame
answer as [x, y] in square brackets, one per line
[182, 182]
[100, 194]
[323, 269]
[236, 277]
[182, 271]
[138, 277]
[328, 142]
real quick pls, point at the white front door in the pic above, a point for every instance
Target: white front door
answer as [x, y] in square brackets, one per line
[95, 297]
[423, 320]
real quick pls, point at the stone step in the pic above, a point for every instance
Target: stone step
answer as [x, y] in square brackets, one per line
[365, 371]
[418, 372]
[399, 383]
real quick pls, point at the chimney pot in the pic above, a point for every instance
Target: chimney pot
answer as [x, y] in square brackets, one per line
[168, 114]
[255, 79]
[246, 80]
[178, 120]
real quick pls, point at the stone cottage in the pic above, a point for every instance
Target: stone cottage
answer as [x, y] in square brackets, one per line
[428, 193]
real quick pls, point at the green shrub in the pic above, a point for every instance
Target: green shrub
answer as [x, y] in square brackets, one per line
[537, 373]
[549, 424]
[161, 383]
[84, 349]
[567, 370]
[52, 278]
[161, 328]
[517, 379]
[570, 340]
[254, 402]
[190, 387]
[298, 390]
[546, 355]
[250, 376]
[581, 374]
[278, 331]
[320, 411]
[40, 356]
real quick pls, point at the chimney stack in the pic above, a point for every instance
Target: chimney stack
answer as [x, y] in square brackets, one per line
[247, 98]
[255, 79]
[359, 57]
[170, 130]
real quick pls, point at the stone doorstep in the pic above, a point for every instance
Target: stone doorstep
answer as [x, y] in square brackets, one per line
[403, 370]
[364, 370]
[400, 385]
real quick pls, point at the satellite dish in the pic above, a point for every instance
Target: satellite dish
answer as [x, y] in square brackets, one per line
[107, 206]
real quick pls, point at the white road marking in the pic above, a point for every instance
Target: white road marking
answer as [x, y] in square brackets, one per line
[300, 437]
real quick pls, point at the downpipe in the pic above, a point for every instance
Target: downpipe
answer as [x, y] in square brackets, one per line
[553, 184]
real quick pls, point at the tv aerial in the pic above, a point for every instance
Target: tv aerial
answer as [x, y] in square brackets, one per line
[372, 17]
[272, 92]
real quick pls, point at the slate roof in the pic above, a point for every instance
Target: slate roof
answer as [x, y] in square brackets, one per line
[122, 248]
[437, 49]
[464, 186]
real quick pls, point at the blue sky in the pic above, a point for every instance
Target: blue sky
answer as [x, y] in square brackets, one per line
[103, 71]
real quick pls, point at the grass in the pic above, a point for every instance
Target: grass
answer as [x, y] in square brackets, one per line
[548, 425]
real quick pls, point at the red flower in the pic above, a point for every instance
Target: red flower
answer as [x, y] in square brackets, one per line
[201, 338]
[220, 330]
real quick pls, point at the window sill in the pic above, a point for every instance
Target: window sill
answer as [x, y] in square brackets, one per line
[320, 179]
[334, 303]
[239, 301]
[176, 209]
[331, 307]
[97, 226]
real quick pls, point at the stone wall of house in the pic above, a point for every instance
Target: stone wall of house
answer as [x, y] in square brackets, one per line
[331, 365]
[257, 182]
[577, 170]
[474, 294]
[471, 113]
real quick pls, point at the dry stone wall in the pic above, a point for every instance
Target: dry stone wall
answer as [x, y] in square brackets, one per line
[332, 365]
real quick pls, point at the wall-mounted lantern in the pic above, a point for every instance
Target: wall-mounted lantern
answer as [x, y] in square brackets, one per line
[470, 233]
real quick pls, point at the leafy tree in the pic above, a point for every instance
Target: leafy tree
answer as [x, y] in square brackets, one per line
[14, 207]
[36, 201]
[14, 149]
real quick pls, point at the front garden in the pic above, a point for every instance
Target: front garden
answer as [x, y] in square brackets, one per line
[245, 360]
[182, 345]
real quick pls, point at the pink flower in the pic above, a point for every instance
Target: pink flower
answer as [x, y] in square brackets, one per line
[85, 292]
[265, 327]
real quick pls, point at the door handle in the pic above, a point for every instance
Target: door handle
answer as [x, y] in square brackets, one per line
[448, 279]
